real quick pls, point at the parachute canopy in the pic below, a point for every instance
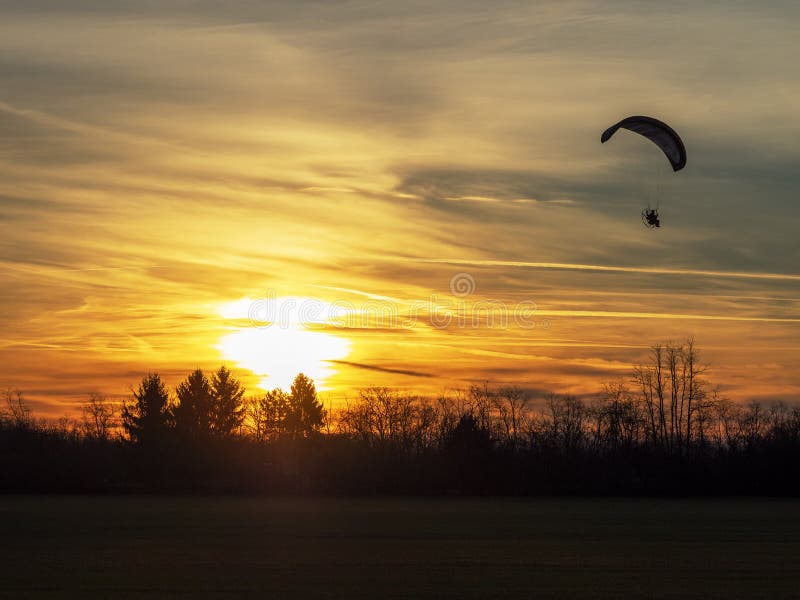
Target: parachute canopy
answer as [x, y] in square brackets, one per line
[661, 134]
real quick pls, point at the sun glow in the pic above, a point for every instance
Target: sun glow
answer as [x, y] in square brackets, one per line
[278, 345]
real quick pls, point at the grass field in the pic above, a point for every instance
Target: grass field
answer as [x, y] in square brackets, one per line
[212, 547]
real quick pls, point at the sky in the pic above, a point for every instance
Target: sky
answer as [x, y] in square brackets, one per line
[410, 194]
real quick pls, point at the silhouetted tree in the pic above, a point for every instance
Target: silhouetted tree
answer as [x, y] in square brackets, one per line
[725, 415]
[17, 412]
[481, 401]
[383, 417]
[665, 435]
[469, 438]
[98, 418]
[694, 388]
[268, 415]
[566, 421]
[619, 420]
[227, 409]
[467, 451]
[447, 412]
[306, 411]
[193, 410]
[752, 424]
[511, 404]
[146, 419]
[673, 391]
[651, 384]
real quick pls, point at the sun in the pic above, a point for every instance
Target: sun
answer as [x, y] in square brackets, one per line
[277, 343]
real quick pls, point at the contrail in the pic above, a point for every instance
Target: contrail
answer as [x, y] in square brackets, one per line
[55, 270]
[369, 295]
[609, 268]
[654, 315]
[86, 129]
[43, 118]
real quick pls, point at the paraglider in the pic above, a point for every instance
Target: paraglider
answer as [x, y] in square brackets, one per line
[663, 136]
[650, 218]
[658, 132]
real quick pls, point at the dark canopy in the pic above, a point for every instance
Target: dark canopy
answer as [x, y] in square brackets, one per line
[661, 134]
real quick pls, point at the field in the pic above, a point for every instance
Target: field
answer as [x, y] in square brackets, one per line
[212, 547]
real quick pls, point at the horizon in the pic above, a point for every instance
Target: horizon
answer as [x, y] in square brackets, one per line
[167, 171]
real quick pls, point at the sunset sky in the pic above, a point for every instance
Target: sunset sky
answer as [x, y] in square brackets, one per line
[172, 171]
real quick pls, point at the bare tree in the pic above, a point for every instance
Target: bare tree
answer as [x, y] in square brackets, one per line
[567, 418]
[448, 411]
[620, 420]
[726, 416]
[650, 381]
[673, 391]
[511, 404]
[98, 418]
[694, 386]
[385, 418]
[481, 403]
[752, 424]
[17, 411]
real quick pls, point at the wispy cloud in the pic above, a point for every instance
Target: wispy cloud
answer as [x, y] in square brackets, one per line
[215, 152]
[614, 269]
[381, 369]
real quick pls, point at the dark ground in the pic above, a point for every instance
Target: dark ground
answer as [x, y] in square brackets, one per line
[212, 547]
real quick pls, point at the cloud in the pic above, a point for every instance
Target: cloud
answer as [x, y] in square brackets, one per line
[620, 269]
[381, 369]
[338, 146]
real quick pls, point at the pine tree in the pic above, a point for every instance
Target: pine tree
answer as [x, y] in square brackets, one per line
[269, 415]
[192, 413]
[307, 414]
[227, 410]
[146, 420]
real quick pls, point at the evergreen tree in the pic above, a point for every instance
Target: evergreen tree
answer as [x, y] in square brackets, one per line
[227, 410]
[146, 420]
[269, 415]
[306, 412]
[192, 413]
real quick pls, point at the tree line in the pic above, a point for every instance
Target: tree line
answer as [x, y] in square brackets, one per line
[663, 430]
[205, 408]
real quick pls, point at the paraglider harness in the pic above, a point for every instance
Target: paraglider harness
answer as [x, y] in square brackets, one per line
[650, 218]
